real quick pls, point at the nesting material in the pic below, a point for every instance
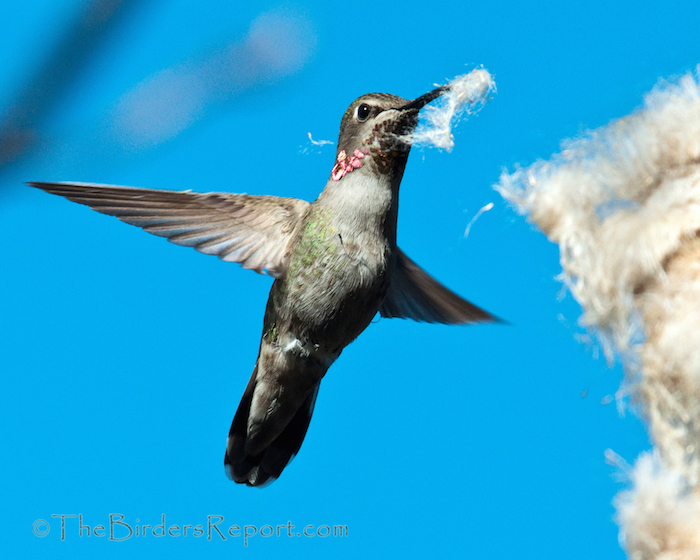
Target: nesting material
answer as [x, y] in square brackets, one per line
[623, 203]
[466, 96]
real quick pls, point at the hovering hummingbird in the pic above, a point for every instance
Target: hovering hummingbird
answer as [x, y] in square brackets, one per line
[335, 264]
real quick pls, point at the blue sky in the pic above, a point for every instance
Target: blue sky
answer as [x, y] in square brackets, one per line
[125, 357]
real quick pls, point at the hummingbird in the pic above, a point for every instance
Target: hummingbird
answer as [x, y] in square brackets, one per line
[335, 264]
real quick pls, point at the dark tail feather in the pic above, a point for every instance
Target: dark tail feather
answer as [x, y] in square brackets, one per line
[266, 466]
[235, 461]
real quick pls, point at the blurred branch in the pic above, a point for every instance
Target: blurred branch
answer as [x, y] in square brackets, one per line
[162, 105]
[19, 123]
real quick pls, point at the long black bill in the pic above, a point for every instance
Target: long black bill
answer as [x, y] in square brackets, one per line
[420, 102]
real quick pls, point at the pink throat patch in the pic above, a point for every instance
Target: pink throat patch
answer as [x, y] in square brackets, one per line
[347, 164]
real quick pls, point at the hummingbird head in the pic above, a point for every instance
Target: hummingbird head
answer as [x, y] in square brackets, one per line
[377, 128]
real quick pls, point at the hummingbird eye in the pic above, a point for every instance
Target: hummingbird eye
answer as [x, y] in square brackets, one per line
[363, 112]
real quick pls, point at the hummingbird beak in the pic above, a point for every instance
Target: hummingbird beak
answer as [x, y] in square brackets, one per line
[419, 102]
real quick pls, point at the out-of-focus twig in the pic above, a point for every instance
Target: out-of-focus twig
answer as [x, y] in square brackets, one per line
[163, 104]
[20, 122]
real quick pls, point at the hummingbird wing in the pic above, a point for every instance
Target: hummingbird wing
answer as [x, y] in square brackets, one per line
[414, 294]
[254, 231]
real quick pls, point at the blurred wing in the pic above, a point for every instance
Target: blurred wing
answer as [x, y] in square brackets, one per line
[255, 231]
[414, 294]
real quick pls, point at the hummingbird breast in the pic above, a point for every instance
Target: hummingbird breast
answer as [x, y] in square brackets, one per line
[337, 279]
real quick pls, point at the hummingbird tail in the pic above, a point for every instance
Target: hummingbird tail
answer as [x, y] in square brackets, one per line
[266, 466]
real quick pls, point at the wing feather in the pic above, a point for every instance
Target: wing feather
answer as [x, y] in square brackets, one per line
[414, 294]
[255, 231]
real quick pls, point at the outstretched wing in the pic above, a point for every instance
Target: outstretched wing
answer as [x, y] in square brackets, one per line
[255, 231]
[414, 294]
